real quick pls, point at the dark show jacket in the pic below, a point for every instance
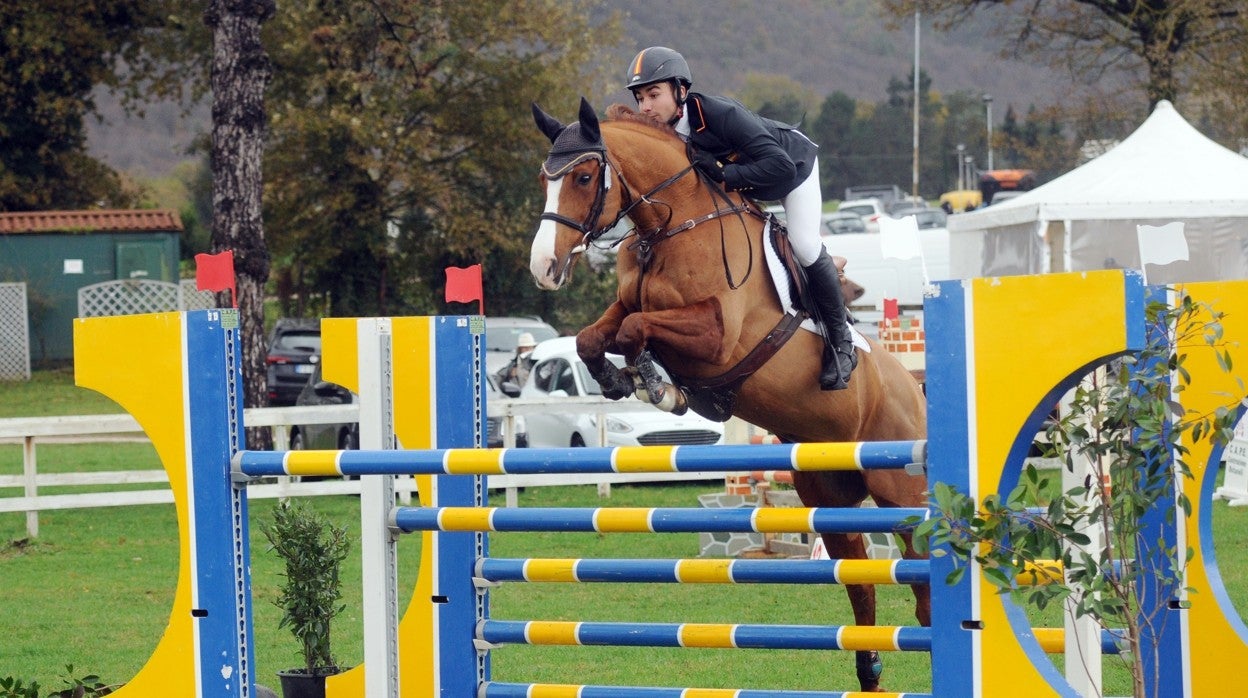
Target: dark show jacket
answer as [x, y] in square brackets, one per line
[763, 158]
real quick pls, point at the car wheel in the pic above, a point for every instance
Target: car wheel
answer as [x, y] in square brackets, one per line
[577, 441]
[296, 440]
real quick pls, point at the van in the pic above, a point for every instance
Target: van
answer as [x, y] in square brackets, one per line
[902, 279]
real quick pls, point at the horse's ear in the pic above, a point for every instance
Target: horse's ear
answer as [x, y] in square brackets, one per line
[589, 122]
[548, 124]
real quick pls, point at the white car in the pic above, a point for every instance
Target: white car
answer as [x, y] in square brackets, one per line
[559, 372]
[869, 210]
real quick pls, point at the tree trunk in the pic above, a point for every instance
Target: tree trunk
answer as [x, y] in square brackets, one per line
[240, 72]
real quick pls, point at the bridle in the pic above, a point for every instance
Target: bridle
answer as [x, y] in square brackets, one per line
[644, 243]
[590, 232]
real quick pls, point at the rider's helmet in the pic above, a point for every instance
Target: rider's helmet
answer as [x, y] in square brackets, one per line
[659, 64]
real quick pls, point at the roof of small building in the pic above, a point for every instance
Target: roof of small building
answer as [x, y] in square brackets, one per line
[133, 220]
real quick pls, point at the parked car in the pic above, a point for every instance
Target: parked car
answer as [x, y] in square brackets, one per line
[317, 391]
[289, 362]
[346, 436]
[559, 372]
[502, 333]
[928, 218]
[869, 210]
[841, 223]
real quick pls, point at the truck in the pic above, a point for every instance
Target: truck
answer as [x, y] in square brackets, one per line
[886, 193]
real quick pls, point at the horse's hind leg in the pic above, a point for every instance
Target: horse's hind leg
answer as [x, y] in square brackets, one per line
[896, 489]
[843, 489]
[862, 600]
[922, 592]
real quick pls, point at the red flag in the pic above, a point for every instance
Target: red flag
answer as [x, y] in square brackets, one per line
[890, 308]
[215, 272]
[463, 285]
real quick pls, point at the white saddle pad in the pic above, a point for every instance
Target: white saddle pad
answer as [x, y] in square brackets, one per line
[780, 280]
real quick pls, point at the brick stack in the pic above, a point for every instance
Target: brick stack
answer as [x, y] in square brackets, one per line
[904, 338]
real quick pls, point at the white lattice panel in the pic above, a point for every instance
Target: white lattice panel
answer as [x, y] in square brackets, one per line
[194, 299]
[14, 333]
[127, 297]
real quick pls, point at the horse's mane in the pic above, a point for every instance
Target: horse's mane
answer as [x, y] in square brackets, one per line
[621, 112]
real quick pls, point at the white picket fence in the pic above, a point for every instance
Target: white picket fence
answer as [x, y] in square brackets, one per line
[30, 431]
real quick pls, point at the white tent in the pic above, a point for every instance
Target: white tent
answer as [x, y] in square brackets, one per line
[1086, 219]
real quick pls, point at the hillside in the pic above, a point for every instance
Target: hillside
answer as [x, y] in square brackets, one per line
[826, 45]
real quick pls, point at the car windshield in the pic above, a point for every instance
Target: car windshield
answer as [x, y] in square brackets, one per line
[299, 341]
[847, 224]
[505, 338]
[863, 210]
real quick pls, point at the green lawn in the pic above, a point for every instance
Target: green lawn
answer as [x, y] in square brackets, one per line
[94, 590]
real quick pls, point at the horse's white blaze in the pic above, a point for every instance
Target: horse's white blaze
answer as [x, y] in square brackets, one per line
[543, 263]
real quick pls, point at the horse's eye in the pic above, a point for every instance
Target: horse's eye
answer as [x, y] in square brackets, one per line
[583, 179]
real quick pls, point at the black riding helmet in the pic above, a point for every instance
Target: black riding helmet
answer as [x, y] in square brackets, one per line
[659, 64]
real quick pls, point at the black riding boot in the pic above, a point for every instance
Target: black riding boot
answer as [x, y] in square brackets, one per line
[839, 356]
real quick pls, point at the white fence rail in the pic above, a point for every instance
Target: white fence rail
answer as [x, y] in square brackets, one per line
[29, 431]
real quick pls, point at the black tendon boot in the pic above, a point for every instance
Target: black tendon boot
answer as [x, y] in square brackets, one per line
[839, 356]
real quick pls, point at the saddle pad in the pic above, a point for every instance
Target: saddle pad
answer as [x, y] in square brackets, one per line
[780, 281]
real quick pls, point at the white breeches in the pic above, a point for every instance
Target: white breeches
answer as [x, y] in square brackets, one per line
[803, 213]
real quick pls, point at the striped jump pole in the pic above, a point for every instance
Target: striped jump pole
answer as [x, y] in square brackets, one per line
[884, 455]
[657, 520]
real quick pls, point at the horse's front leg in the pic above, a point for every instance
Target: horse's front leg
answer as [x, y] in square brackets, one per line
[694, 332]
[592, 345]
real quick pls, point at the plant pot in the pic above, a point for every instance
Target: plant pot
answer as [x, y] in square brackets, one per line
[298, 683]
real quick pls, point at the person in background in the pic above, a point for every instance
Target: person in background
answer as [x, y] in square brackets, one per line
[517, 371]
[763, 159]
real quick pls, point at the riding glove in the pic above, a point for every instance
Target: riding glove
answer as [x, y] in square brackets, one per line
[708, 165]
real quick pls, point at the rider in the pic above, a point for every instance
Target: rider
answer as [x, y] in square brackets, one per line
[763, 159]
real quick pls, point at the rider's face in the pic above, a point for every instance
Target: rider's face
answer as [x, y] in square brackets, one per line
[657, 101]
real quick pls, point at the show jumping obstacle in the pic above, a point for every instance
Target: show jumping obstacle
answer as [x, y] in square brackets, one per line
[427, 391]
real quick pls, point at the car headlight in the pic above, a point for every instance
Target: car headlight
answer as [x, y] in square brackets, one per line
[617, 425]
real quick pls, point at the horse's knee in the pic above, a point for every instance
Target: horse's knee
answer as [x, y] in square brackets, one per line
[631, 336]
[591, 343]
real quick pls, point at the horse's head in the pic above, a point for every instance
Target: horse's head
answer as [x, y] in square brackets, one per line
[578, 183]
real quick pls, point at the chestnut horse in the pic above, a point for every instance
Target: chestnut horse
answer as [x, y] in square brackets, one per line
[694, 292]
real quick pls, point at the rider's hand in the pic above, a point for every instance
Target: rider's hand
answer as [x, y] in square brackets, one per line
[708, 165]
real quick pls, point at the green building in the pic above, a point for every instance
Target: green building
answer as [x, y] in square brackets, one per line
[57, 253]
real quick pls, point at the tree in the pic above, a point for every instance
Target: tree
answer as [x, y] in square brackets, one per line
[401, 142]
[831, 130]
[778, 97]
[240, 70]
[1163, 39]
[52, 55]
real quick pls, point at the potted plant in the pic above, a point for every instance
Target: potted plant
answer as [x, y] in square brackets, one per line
[313, 550]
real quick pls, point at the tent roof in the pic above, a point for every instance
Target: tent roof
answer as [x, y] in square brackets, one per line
[1166, 169]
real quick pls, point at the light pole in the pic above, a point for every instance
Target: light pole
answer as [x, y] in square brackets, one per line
[961, 167]
[988, 107]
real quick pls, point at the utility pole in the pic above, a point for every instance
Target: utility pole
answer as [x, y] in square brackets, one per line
[988, 106]
[915, 178]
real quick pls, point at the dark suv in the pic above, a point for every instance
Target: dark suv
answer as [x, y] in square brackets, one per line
[291, 347]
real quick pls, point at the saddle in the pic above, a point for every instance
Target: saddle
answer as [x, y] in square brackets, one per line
[714, 398]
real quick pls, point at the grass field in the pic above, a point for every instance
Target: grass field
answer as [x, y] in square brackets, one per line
[94, 590]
